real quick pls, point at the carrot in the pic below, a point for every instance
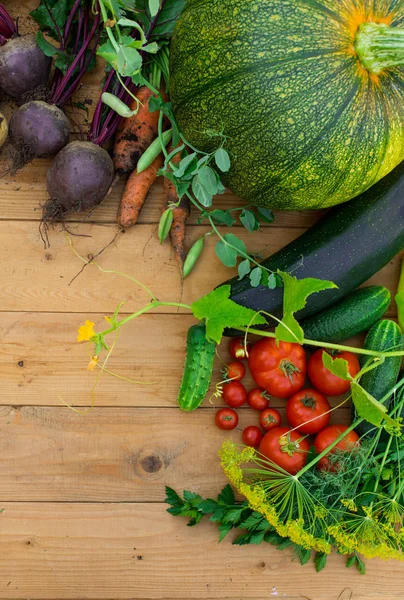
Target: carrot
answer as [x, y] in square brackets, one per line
[180, 216]
[136, 190]
[136, 133]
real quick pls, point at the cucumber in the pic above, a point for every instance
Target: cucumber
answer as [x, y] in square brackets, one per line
[198, 368]
[348, 245]
[384, 336]
[352, 315]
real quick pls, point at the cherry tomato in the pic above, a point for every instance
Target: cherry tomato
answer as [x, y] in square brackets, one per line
[234, 394]
[252, 436]
[258, 399]
[279, 369]
[269, 419]
[235, 371]
[237, 348]
[326, 382]
[329, 435]
[226, 418]
[286, 448]
[306, 405]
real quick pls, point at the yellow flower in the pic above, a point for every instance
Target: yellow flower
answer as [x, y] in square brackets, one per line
[93, 363]
[86, 332]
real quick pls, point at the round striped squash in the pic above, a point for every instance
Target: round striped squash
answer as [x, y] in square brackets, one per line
[309, 94]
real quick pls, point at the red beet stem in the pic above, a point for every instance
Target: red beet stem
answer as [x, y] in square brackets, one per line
[8, 27]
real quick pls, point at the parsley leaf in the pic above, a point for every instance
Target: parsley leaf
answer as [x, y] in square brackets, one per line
[218, 312]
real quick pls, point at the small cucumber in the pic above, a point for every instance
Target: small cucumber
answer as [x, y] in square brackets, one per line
[384, 336]
[357, 312]
[197, 369]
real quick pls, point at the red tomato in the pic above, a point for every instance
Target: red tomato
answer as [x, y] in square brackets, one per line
[234, 394]
[327, 436]
[235, 371]
[279, 369]
[258, 399]
[326, 382]
[306, 405]
[269, 419]
[286, 448]
[252, 436]
[237, 348]
[226, 418]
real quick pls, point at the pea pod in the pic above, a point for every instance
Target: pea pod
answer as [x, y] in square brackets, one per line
[153, 151]
[198, 368]
[194, 253]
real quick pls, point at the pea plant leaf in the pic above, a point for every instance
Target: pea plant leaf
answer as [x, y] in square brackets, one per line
[222, 159]
[296, 292]
[336, 366]
[218, 312]
[373, 411]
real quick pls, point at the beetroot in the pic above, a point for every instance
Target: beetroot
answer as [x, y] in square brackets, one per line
[39, 129]
[78, 178]
[23, 67]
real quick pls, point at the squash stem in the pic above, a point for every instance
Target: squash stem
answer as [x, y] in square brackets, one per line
[379, 46]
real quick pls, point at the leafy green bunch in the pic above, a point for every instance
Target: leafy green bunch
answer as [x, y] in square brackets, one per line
[135, 44]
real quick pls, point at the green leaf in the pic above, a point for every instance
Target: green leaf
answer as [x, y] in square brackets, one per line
[265, 214]
[272, 281]
[244, 268]
[201, 193]
[227, 495]
[109, 54]
[151, 48]
[320, 561]
[255, 276]
[172, 497]
[351, 560]
[129, 61]
[47, 48]
[303, 554]
[166, 19]
[154, 6]
[360, 565]
[165, 223]
[372, 410]
[208, 506]
[207, 178]
[296, 292]
[336, 366]
[253, 521]
[226, 254]
[224, 530]
[222, 216]
[59, 10]
[249, 220]
[236, 242]
[219, 312]
[184, 167]
[222, 159]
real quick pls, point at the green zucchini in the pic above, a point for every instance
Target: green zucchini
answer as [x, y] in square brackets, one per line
[198, 368]
[354, 314]
[384, 336]
[348, 245]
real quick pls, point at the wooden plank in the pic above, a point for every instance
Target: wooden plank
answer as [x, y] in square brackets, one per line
[114, 454]
[22, 196]
[41, 360]
[35, 279]
[65, 551]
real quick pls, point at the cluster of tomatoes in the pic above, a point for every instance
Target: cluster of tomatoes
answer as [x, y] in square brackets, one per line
[280, 369]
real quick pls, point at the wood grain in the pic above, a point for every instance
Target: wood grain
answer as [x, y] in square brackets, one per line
[112, 551]
[41, 360]
[114, 454]
[37, 279]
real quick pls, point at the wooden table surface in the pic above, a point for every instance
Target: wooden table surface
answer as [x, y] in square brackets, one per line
[83, 493]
